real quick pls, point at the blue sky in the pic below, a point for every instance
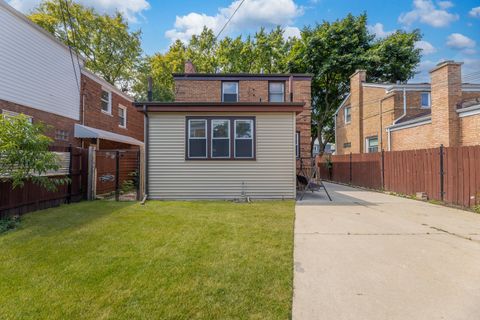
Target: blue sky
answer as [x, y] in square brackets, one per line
[451, 29]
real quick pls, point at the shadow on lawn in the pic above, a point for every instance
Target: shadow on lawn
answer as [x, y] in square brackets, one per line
[70, 217]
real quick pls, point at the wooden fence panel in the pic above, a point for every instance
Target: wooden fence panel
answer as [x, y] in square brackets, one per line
[366, 170]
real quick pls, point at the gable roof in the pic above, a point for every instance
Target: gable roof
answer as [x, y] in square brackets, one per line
[341, 104]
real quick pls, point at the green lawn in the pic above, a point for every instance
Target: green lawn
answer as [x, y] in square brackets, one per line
[164, 260]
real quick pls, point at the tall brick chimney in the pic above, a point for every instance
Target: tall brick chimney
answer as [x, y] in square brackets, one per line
[189, 67]
[356, 104]
[446, 93]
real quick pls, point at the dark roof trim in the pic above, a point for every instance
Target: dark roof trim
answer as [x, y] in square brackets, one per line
[241, 76]
[296, 107]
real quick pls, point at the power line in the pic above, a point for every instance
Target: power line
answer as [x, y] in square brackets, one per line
[228, 21]
[68, 43]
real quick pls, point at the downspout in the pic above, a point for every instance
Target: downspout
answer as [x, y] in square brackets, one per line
[389, 139]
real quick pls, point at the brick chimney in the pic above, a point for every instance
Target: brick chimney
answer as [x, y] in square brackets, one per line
[356, 104]
[189, 67]
[446, 93]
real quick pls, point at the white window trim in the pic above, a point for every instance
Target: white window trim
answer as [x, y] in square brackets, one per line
[223, 138]
[235, 138]
[236, 87]
[124, 116]
[277, 93]
[109, 112]
[429, 100]
[198, 138]
[345, 114]
[367, 144]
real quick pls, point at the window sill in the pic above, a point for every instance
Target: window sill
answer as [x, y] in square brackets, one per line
[219, 159]
[425, 107]
[107, 113]
[122, 127]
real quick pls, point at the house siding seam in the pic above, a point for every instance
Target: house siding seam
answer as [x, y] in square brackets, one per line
[271, 175]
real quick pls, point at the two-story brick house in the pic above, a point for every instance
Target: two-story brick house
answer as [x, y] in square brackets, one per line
[43, 79]
[390, 117]
[228, 135]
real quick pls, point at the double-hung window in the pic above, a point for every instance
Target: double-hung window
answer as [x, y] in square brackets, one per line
[197, 138]
[425, 98]
[348, 114]
[276, 91]
[220, 138]
[372, 144]
[106, 101]
[244, 138]
[229, 91]
[122, 116]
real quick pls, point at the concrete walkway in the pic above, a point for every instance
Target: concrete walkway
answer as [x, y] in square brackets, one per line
[371, 256]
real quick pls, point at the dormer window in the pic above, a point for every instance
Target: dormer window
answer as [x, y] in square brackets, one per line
[229, 91]
[276, 91]
[425, 97]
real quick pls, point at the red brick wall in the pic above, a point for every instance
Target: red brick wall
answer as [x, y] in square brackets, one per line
[52, 121]
[95, 118]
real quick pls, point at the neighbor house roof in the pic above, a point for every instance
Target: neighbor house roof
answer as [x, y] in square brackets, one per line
[296, 107]
[241, 76]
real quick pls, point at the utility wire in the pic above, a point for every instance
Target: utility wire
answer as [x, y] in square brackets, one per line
[228, 21]
[74, 31]
[68, 43]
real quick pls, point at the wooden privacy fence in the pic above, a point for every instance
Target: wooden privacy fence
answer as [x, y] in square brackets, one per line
[449, 174]
[33, 197]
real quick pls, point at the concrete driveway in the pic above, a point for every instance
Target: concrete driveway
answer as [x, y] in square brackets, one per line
[367, 255]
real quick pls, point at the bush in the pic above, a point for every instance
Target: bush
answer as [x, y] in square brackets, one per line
[8, 223]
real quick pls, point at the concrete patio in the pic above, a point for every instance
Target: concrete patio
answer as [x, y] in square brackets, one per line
[368, 255]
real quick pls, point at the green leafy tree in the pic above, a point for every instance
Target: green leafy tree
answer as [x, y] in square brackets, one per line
[24, 154]
[110, 49]
[332, 51]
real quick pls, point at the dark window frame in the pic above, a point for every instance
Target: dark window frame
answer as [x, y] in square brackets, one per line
[297, 144]
[284, 90]
[238, 89]
[232, 137]
[187, 143]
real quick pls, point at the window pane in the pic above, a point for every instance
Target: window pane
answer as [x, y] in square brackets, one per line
[276, 97]
[221, 148]
[276, 87]
[425, 99]
[220, 128]
[229, 98]
[230, 87]
[197, 148]
[243, 148]
[104, 105]
[105, 95]
[198, 128]
[243, 129]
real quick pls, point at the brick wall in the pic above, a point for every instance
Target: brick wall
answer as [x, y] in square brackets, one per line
[412, 138]
[95, 118]
[53, 121]
[470, 130]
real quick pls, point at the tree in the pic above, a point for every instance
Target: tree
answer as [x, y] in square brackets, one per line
[333, 51]
[110, 49]
[24, 153]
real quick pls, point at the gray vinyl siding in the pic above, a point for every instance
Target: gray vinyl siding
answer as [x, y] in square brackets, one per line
[271, 175]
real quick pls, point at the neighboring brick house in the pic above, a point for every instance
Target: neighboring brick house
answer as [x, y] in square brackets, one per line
[228, 135]
[375, 117]
[43, 79]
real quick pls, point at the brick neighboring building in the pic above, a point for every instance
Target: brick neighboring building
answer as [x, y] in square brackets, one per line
[43, 79]
[409, 116]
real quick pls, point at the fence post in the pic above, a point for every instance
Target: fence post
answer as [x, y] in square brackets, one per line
[69, 186]
[117, 173]
[383, 169]
[350, 168]
[442, 173]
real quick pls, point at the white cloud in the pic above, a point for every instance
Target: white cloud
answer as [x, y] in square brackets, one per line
[252, 15]
[426, 47]
[426, 12]
[379, 30]
[131, 9]
[475, 12]
[459, 41]
[291, 32]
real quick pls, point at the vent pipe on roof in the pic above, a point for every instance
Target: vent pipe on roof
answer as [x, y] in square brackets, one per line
[150, 90]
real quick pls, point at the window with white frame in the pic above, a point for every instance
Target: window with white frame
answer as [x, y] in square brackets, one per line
[106, 101]
[276, 91]
[229, 91]
[122, 116]
[244, 138]
[11, 114]
[297, 144]
[371, 144]
[425, 98]
[220, 138]
[197, 138]
[348, 114]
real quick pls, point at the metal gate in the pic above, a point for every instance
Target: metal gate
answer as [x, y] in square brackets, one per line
[117, 174]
